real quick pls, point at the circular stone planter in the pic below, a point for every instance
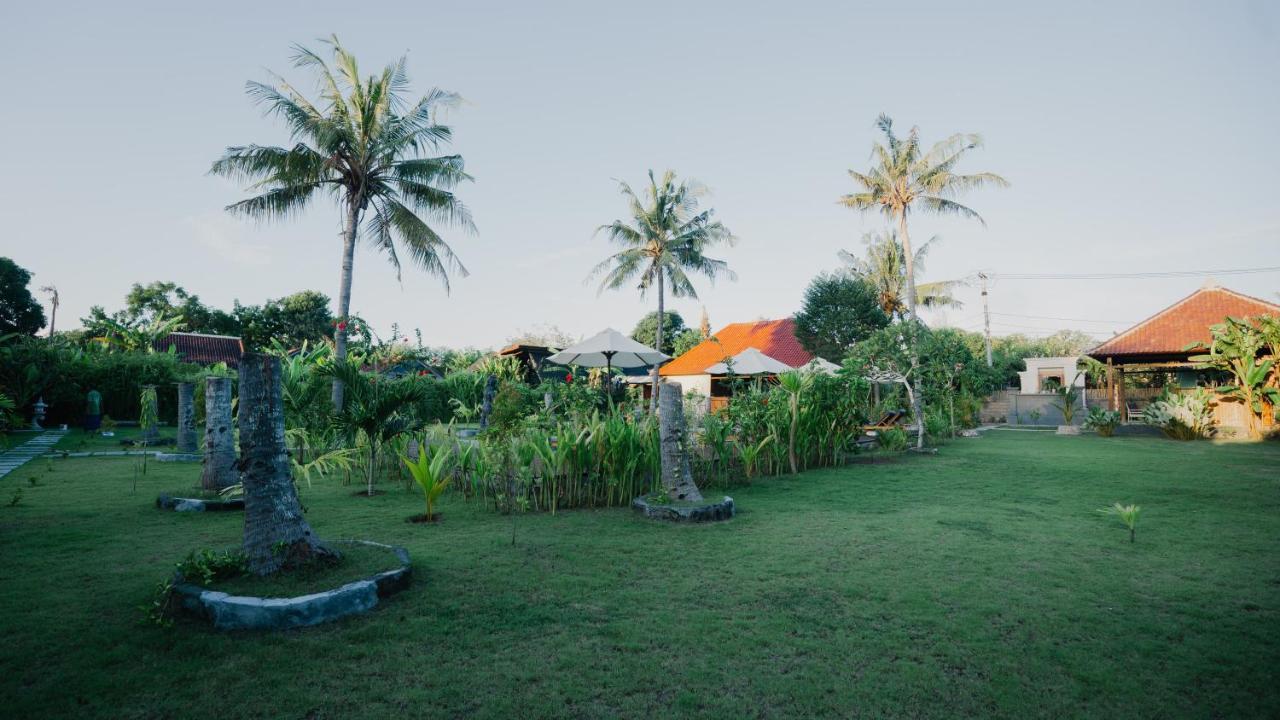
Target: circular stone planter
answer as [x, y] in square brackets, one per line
[232, 612]
[183, 504]
[709, 511]
[178, 457]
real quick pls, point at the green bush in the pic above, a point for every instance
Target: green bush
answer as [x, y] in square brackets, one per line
[1101, 421]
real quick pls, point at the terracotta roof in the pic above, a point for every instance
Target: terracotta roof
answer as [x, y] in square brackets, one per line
[203, 349]
[1187, 321]
[775, 338]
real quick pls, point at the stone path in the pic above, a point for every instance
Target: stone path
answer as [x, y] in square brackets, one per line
[16, 457]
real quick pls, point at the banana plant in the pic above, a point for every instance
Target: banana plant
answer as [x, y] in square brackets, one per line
[1236, 348]
[432, 473]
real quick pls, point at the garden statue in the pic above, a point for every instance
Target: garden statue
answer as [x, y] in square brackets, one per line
[677, 479]
[37, 413]
[490, 389]
[92, 411]
[219, 469]
[186, 418]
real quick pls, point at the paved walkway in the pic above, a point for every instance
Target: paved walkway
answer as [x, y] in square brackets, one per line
[16, 457]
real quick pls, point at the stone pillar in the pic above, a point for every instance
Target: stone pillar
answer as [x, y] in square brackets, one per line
[186, 418]
[677, 479]
[219, 469]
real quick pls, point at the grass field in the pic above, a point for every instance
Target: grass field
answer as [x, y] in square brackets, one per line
[980, 582]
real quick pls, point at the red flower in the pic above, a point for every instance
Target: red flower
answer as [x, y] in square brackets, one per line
[568, 378]
[342, 325]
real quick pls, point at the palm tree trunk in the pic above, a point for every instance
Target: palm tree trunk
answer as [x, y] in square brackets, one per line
[276, 535]
[677, 480]
[910, 260]
[218, 469]
[653, 398]
[349, 227]
[917, 407]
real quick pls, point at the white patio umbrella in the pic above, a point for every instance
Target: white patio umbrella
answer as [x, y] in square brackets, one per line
[750, 362]
[823, 366]
[609, 349]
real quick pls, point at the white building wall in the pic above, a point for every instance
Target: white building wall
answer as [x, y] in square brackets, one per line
[700, 384]
[1029, 379]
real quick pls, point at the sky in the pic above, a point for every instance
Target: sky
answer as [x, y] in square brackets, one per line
[1136, 137]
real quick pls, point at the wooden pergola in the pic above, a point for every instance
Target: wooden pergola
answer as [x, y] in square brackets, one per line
[1166, 341]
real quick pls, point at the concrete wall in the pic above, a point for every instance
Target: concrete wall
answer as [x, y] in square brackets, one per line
[700, 384]
[1017, 407]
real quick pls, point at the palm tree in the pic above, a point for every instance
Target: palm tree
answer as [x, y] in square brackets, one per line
[884, 267]
[904, 178]
[664, 241]
[364, 145]
[54, 301]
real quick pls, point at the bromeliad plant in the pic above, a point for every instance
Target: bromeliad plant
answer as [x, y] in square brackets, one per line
[1128, 515]
[1103, 422]
[1182, 416]
[433, 471]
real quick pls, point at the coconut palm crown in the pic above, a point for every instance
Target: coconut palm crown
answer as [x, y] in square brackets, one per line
[663, 243]
[369, 149]
[884, 267]
[905, 177]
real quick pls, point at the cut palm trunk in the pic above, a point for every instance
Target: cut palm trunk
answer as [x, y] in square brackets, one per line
[276, 535]
[677, 479]
[219, 468]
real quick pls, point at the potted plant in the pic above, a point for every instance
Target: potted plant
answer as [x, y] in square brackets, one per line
[1065, 398]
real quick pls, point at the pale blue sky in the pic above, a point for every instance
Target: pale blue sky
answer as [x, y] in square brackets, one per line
[1137, 136]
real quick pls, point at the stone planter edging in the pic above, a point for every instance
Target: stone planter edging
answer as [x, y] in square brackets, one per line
[710, 512]
[181, 504]
[178, 457]
[233, 612]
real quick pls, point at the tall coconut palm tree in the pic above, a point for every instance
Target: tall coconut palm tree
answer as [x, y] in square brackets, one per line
[906, 178]
[366, 147]
[663, 242]
[884, 267]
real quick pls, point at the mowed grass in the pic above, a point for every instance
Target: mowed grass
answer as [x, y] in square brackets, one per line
[979, 582]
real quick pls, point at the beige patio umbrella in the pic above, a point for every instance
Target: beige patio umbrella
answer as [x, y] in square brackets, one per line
[609, 349]
[749, 362]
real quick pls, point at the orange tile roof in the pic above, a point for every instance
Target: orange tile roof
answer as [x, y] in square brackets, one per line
[1185, 322]
[775, 338]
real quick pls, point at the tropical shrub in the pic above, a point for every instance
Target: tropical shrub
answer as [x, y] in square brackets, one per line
[1103, 422]
[1128, 515]
[432, 471]
[1067, 397]
[892, 439]
[1182, 416]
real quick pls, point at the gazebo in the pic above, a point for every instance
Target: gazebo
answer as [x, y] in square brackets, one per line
[1166, 341]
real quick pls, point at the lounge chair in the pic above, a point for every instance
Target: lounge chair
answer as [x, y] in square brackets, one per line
[1133, 411]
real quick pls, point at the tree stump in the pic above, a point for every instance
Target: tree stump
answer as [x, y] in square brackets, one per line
[677, 479]
[276, 535]
[186, 418]
[219, 469]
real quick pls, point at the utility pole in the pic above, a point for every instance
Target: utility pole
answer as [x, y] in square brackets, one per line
[986, 317]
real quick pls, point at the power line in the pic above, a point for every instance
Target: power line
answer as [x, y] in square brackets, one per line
[1047, 317]
[1133, 275]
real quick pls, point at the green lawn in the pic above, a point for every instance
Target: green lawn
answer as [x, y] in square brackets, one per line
[978, 582]
[77, 440]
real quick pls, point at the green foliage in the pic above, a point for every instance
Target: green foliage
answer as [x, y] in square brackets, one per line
[63, 374]
[893, 439]
[839, 309]
[375, 411]
[1103, 422]
[20, 312]
[646, 331]
[1066, 400]
[293, 321]
[1182, 416]
[431, 470]
[884, 270]
[1237, 348]
[1128, 515]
